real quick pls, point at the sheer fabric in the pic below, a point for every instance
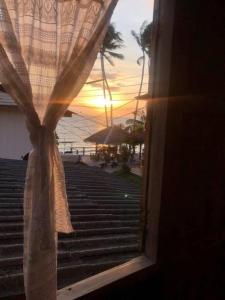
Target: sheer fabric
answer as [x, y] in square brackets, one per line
[47, 50]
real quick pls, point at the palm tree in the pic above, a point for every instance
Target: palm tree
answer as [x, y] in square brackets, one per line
[143, 39]
[111, 42]
[136, 129]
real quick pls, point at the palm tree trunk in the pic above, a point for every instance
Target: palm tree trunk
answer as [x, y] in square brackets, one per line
[111, 103]
[103, 76]
[140, 88]
[108, 89]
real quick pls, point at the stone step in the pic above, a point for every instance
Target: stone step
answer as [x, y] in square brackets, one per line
[15, 263]
[9, 174]
[17, 196]
[12, 227]
[115, 202]
[79, 201]
[93, 178]
[71, 186]
[107, 192]
[12, 180]
[77, 206]
[11, 250]
[19, 204]
[107, 195]
[77, 211]
[79, 218]
[12, 284]
[93, 185]
[7, 238]
[75, 186]
[18, 189]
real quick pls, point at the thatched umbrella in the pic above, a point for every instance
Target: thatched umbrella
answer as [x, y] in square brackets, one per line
[109, 136]
[137, 137]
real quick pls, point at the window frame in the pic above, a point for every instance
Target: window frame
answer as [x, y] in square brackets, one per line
[163, 18]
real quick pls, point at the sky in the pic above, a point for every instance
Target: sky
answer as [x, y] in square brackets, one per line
[124, 78]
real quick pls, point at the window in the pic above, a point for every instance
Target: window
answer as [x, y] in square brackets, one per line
[156, 119]
[153, 170]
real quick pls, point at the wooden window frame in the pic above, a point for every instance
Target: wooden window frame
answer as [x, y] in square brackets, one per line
[163, 18]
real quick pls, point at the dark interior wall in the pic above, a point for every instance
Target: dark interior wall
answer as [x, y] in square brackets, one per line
[192, 218]
[193, 200]
[198, 47]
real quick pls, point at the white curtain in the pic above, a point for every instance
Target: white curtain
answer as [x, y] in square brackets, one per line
[47, 50]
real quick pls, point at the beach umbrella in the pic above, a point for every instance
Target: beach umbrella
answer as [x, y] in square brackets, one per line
[113, 135]
[137, 137]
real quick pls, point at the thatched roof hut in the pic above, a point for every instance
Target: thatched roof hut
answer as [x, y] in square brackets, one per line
[137, 137]
[109, 136]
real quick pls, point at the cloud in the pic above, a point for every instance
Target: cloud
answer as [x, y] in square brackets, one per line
[110, 77]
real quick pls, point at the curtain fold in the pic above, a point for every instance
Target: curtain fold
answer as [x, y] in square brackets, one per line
[47, 50]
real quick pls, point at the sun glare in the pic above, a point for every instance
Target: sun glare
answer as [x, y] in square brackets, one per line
[99, 102]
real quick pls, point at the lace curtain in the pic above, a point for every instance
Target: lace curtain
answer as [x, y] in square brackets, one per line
[47, 50]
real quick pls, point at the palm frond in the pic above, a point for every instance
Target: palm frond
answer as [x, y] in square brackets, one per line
[140, 59]
[137, 37]
[116, 55]
[130, 123]
[108, 58]
[111, 45]
[113, 39]
[144, 37]
[143, 27]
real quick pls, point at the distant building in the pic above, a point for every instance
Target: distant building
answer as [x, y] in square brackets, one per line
[14, 137]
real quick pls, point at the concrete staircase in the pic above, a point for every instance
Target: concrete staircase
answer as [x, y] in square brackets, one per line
[105, 213]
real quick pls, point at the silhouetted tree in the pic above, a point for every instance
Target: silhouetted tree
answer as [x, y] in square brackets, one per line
[111, 42]
[143, 39]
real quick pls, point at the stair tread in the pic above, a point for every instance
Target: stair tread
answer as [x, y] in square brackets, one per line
[105, 212]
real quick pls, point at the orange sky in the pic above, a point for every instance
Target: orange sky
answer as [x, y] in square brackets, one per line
[124, 78]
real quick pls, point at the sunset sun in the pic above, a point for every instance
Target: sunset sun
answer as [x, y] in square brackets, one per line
[99, 102]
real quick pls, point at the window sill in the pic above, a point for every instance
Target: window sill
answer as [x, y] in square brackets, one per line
[103, 279]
